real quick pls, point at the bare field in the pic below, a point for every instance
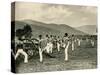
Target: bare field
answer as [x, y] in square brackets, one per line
[83, 57]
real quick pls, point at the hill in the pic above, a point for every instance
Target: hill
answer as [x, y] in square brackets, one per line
[43, 28]
[89, 29]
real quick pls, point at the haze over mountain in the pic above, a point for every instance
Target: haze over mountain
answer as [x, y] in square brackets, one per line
[89, 29]
[43, 28]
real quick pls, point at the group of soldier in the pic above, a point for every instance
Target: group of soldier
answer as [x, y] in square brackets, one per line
[48, 42]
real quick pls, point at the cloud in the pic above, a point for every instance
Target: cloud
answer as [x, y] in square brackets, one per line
[54, 13]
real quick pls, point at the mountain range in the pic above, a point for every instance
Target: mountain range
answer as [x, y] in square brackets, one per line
[89, 29]
[44, 28]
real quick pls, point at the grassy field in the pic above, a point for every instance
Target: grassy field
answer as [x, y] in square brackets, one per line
[83, 57]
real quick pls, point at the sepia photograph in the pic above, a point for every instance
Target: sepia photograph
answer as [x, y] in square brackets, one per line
[53, 37]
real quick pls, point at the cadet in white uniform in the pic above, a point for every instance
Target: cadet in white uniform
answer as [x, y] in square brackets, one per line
[67, 43]
[73, 42]
[21, 51]
[92, 41]
[50, 43]
[43, 46]
[58, 43]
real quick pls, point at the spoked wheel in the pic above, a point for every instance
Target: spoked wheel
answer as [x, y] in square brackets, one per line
[30, 52]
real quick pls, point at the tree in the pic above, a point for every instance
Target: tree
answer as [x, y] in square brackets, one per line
[19, 33]
[27, 31]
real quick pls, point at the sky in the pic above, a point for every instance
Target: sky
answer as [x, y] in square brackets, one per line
[72, 15]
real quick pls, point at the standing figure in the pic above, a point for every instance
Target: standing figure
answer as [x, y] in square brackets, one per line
[92, 41]
[67, 43]
[40, 48]
[21, 51]
[43, 46]
[58, 43]
[50, 43]
[72, 38]
[79, 41]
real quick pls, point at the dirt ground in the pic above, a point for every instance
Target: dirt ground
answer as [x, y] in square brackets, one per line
[83, 57]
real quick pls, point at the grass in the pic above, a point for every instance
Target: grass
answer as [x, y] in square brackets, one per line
[83, 57]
